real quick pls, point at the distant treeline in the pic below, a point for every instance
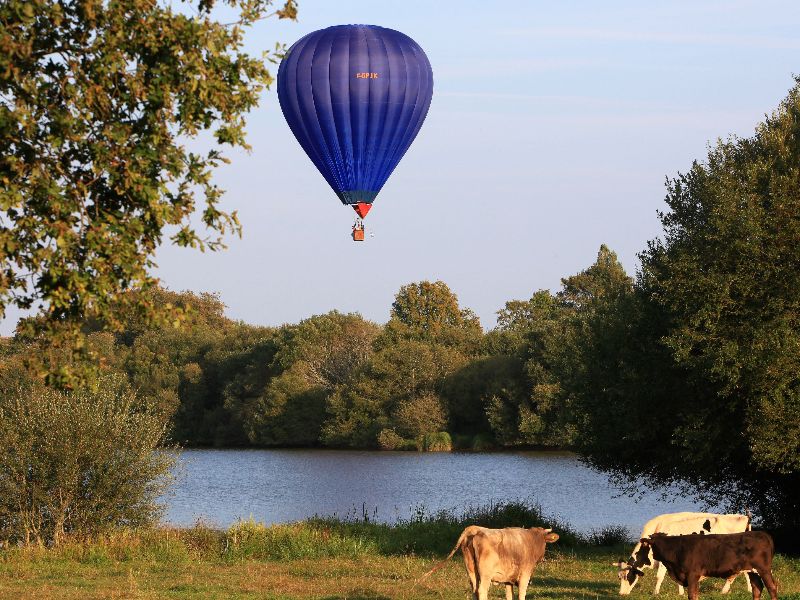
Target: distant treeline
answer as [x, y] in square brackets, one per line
[430, 378]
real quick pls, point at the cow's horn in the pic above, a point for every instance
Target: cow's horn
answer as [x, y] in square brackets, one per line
[548, 530]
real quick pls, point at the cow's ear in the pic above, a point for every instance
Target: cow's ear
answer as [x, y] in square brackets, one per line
[550, 537]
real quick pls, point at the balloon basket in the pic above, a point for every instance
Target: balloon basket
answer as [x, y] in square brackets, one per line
[358, 235]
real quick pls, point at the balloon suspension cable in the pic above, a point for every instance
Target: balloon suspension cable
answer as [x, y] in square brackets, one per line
[358, 230]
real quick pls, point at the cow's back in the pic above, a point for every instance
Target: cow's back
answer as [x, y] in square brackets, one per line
[502, 554]
[716, 555]
[662, 522]
[671, 524]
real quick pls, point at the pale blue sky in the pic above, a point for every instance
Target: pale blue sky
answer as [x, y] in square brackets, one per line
[552, 128]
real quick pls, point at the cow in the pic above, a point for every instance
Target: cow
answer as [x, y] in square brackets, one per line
[505, 556]
[688, 558]
[680, 523]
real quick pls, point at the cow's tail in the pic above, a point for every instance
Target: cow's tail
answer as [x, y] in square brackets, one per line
[471, 530]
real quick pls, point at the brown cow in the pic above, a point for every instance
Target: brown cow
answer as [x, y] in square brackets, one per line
[681, 523]
[506, 556]
[688, 558]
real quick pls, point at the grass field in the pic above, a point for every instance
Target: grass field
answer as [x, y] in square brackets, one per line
[323, 559]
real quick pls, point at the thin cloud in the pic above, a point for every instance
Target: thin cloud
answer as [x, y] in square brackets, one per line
[555, 99]
[511, 66]
[662, 37]
[719, 121]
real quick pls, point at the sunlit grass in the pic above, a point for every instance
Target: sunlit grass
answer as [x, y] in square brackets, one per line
[326, 559]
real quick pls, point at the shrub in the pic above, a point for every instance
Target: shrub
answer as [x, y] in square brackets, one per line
[483, 442]
[389, 440]
[421, 415]
[610, 535]
[81, 463]
[436, 442]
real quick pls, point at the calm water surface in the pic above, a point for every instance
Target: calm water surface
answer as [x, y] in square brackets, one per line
[274, 486]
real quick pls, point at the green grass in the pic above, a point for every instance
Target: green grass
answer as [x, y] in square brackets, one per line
[326, 559]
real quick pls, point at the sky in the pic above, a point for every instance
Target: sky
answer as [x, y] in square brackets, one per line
[552, 130]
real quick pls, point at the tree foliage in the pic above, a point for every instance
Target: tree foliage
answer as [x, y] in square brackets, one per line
[429, 311]
[315, 357]
[97, 100]
[710, 340]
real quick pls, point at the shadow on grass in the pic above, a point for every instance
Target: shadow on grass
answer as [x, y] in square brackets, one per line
[358, 595]
[555, 587]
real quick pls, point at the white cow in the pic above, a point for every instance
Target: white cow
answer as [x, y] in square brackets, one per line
[676, 524]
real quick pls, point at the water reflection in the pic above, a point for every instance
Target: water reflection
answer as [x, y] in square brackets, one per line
[221, 486]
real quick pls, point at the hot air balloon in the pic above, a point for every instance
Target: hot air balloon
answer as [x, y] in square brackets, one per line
[355, 97]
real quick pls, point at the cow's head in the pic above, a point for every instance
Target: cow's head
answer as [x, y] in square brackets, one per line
[629, 572]
[547, 534]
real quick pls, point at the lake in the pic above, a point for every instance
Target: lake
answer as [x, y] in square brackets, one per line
[275, 486]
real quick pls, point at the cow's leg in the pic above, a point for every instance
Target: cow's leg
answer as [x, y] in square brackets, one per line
[483, 588]
[728, 582]
[509, 592]
[769, 581]
[693, 586]
[468, 552]
[523, 585]
[661, 571]
[757, 584]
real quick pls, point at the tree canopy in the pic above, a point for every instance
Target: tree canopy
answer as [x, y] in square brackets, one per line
[97, 102]
[699, 368]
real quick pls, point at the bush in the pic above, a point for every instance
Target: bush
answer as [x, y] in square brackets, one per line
[435, 442]
[389, 440]
[482, 442]
[421, 415]
[81, 463]
[610, 535]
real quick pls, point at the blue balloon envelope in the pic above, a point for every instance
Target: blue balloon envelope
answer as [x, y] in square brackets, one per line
[355, 97]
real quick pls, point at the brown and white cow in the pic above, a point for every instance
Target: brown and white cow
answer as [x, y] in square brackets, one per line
[689, 558]
[680, 523]
[506, 556]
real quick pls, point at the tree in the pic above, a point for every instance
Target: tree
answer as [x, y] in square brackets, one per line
[332, 346]
[97, 100]
[716, 318]
[398, 375]
[430, 312]
[315, 357]
[604, 280]
[536, 342]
